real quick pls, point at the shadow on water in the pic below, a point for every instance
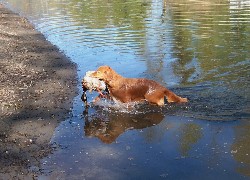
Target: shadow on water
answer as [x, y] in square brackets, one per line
[104, 142]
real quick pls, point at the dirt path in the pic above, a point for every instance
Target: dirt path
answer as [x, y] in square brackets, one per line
[37, 85]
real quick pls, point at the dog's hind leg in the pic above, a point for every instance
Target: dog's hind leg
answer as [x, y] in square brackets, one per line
[155, 98]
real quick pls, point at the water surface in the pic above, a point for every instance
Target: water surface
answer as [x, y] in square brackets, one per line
[198, 49]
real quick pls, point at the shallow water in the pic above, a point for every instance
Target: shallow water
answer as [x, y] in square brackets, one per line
[198, 49]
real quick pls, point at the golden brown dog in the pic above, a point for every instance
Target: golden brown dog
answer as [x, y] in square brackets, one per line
[135, 89]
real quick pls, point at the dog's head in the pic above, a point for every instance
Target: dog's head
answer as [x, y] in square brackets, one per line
[104, 73]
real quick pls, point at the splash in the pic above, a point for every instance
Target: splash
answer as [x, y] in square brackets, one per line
[130, 108]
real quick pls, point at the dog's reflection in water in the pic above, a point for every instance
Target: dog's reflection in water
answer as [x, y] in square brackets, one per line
[107, 126]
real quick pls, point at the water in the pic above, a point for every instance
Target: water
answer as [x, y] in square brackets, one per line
[198, 49]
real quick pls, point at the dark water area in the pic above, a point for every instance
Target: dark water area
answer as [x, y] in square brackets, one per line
[198, 49]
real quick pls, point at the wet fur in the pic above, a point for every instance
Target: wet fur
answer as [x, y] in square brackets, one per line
[135, 89]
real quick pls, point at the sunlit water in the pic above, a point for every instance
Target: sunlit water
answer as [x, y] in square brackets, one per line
[198, 49]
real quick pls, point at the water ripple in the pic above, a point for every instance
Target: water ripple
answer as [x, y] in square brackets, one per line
[176, 43]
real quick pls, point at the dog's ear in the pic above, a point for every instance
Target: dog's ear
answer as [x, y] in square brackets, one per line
[107, 70]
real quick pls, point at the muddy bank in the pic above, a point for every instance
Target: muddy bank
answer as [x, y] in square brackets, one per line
[38, 84]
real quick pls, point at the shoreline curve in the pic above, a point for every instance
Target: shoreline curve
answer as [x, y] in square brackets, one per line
[38, 84]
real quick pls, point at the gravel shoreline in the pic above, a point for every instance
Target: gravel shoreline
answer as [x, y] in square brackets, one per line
[38, 84]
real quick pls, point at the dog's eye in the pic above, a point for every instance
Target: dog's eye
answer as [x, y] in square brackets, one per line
[98, 72]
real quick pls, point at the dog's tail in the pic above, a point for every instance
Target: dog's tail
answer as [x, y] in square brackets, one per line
[172, 97]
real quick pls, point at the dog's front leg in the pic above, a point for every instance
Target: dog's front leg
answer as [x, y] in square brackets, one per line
[84, 99]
